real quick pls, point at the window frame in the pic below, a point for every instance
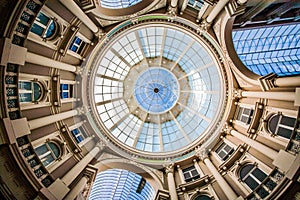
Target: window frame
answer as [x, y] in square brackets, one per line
[32, 91]
[69, 91]
[45, 28]
[80, 133]
[279, 125]
[43, 157]
[249, 174]
[227, 154]
[189, 172]
[243, 110]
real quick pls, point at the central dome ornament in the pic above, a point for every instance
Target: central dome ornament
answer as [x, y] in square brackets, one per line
[156, 90]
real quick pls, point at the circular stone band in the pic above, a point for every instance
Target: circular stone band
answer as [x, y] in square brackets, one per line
[156, 90]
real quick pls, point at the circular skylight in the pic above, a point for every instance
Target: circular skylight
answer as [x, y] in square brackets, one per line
[157, 88]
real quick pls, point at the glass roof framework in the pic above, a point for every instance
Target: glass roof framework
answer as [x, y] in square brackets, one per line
[120, 184]
[180, 54]
[274, 49]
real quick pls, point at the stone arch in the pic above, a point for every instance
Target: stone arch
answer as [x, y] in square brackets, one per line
[153, 178]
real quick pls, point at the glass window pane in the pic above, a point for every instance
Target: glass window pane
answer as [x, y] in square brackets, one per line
[203, 197]
[37, 91]
[25, 97]
[272, 124]
[54, 148]
[37, 29]
[50, 30]
[245, 170]
[251, 182]
[288, 121]
[41, 149]
[43, 18]
[287, 133]
[47, 160]
[24, 85]
[260, 175]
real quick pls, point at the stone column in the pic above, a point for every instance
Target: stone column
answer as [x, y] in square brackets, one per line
[292, 81]
[254, 144]
[48, 62]
[77, 189]
[171, 182]
[182, 179]
[216, 10]
[174, 3]
[60, 188]
[228, 191]
[76, 10]
[271, 80]
[43, 121]
[284, 96]
[77, 169]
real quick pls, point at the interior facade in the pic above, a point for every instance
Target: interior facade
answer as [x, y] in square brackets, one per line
[150, 99]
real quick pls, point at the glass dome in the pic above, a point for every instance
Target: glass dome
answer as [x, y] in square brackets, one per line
[157, 88]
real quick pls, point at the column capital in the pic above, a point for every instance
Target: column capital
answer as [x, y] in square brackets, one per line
[169, 168]
[172, 12]
[202, 153]
[237, 93]
[203, 27]
[83, 110]
[100, 34]
[79, 70]
[101, 144]
[227, 128]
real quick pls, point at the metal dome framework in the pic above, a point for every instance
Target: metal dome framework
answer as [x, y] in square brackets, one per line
[195, 116]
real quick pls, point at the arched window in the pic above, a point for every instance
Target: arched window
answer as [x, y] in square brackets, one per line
[273, 49]
[202, 197]
[48, 153]
[281, 125]
[252, 176]
[44, 26]
[29, 91]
